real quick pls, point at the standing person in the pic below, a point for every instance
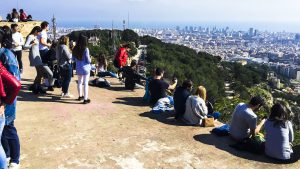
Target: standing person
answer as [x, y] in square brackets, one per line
[158, 87]
[82, 59]
[35, 59]
[121, 58]
[196, 109]
[23, 16]
[18, 42]
[102, 67]
[44, 47]
[181, 94]
[43, 37]
[279, 134]
[244, 120]
[64, 58]
[10, 139]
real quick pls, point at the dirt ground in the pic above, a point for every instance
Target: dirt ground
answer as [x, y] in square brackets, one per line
[116, 131]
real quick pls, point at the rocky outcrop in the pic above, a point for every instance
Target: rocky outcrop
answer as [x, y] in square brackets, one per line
[24, 27]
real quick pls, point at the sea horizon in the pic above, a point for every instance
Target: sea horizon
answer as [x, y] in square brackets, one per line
[237, 26]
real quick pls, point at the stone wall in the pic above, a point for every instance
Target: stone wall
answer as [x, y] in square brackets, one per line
[24, 27]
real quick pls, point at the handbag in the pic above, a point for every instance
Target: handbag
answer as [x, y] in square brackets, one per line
[11, 85]
[209, 122]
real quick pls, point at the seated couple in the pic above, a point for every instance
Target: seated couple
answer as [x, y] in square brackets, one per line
[158, 92]
[278, 129]
[192, 109]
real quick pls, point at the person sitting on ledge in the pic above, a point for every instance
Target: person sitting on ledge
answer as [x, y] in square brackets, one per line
[196, 109]
[244, 120]
[29, 18]
[102, 67]
[23, 16]
[158, 87]
[279, 134]
[181, 94]
[132, 79]
[15, 15]
[8, 18]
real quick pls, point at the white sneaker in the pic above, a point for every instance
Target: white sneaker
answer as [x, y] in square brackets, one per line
[7, 161]
[14, 166]
[67, 95]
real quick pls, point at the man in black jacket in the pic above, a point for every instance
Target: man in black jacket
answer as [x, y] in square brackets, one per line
[181, 94]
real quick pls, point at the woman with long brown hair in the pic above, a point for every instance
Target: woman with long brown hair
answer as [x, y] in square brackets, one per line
[82, 58]
[279, 134]
[102, 67]
[64, 57]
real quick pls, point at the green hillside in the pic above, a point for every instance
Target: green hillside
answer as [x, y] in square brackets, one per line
[202, 68]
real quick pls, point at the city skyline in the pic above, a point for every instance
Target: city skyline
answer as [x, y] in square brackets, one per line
[269, 14]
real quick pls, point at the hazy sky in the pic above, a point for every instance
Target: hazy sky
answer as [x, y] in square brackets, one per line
[161, 10]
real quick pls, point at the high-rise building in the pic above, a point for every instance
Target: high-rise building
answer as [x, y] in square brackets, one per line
[298, 76]
[297, 37]
[251, 32]
[256, 32]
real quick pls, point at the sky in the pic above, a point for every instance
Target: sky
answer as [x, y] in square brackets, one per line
[264, 12]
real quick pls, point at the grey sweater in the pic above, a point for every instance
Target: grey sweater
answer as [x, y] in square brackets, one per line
[63, 54]
[34, 53]
[278, 139]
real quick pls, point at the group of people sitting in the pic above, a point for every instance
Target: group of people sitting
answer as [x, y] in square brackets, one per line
[15, 16]
[190, 108]
[278, 135]
[193, 109]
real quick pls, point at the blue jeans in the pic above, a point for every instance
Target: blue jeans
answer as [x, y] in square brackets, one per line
[11, 143]
[107, 73]
[66, 74]
[3, 164]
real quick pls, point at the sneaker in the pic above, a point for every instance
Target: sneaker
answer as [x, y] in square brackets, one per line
[86, 101]
[67, 95]
[7, 161]
[14, 166]
[80, 98]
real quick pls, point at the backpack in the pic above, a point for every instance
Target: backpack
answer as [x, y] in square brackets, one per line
[116, 62]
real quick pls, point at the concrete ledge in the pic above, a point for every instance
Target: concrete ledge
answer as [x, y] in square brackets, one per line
[24, 27]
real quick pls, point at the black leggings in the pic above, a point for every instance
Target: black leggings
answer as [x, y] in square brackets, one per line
[18, 55]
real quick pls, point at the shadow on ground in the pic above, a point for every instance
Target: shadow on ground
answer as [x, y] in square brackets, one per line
[223, 143]
[166, 118]
[131, 101]
[26, 95]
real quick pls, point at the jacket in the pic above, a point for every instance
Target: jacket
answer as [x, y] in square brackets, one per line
[122, 57]
[63, 55]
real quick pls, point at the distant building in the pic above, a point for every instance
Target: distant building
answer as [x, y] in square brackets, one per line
[251, 32]
[298, 76]
[297, 37]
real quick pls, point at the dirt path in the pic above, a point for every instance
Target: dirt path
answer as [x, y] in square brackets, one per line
[115, 131]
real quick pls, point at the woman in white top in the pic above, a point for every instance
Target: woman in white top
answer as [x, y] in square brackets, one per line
[279, 134]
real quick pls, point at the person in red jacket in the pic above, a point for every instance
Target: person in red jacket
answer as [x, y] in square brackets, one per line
[122, 56]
